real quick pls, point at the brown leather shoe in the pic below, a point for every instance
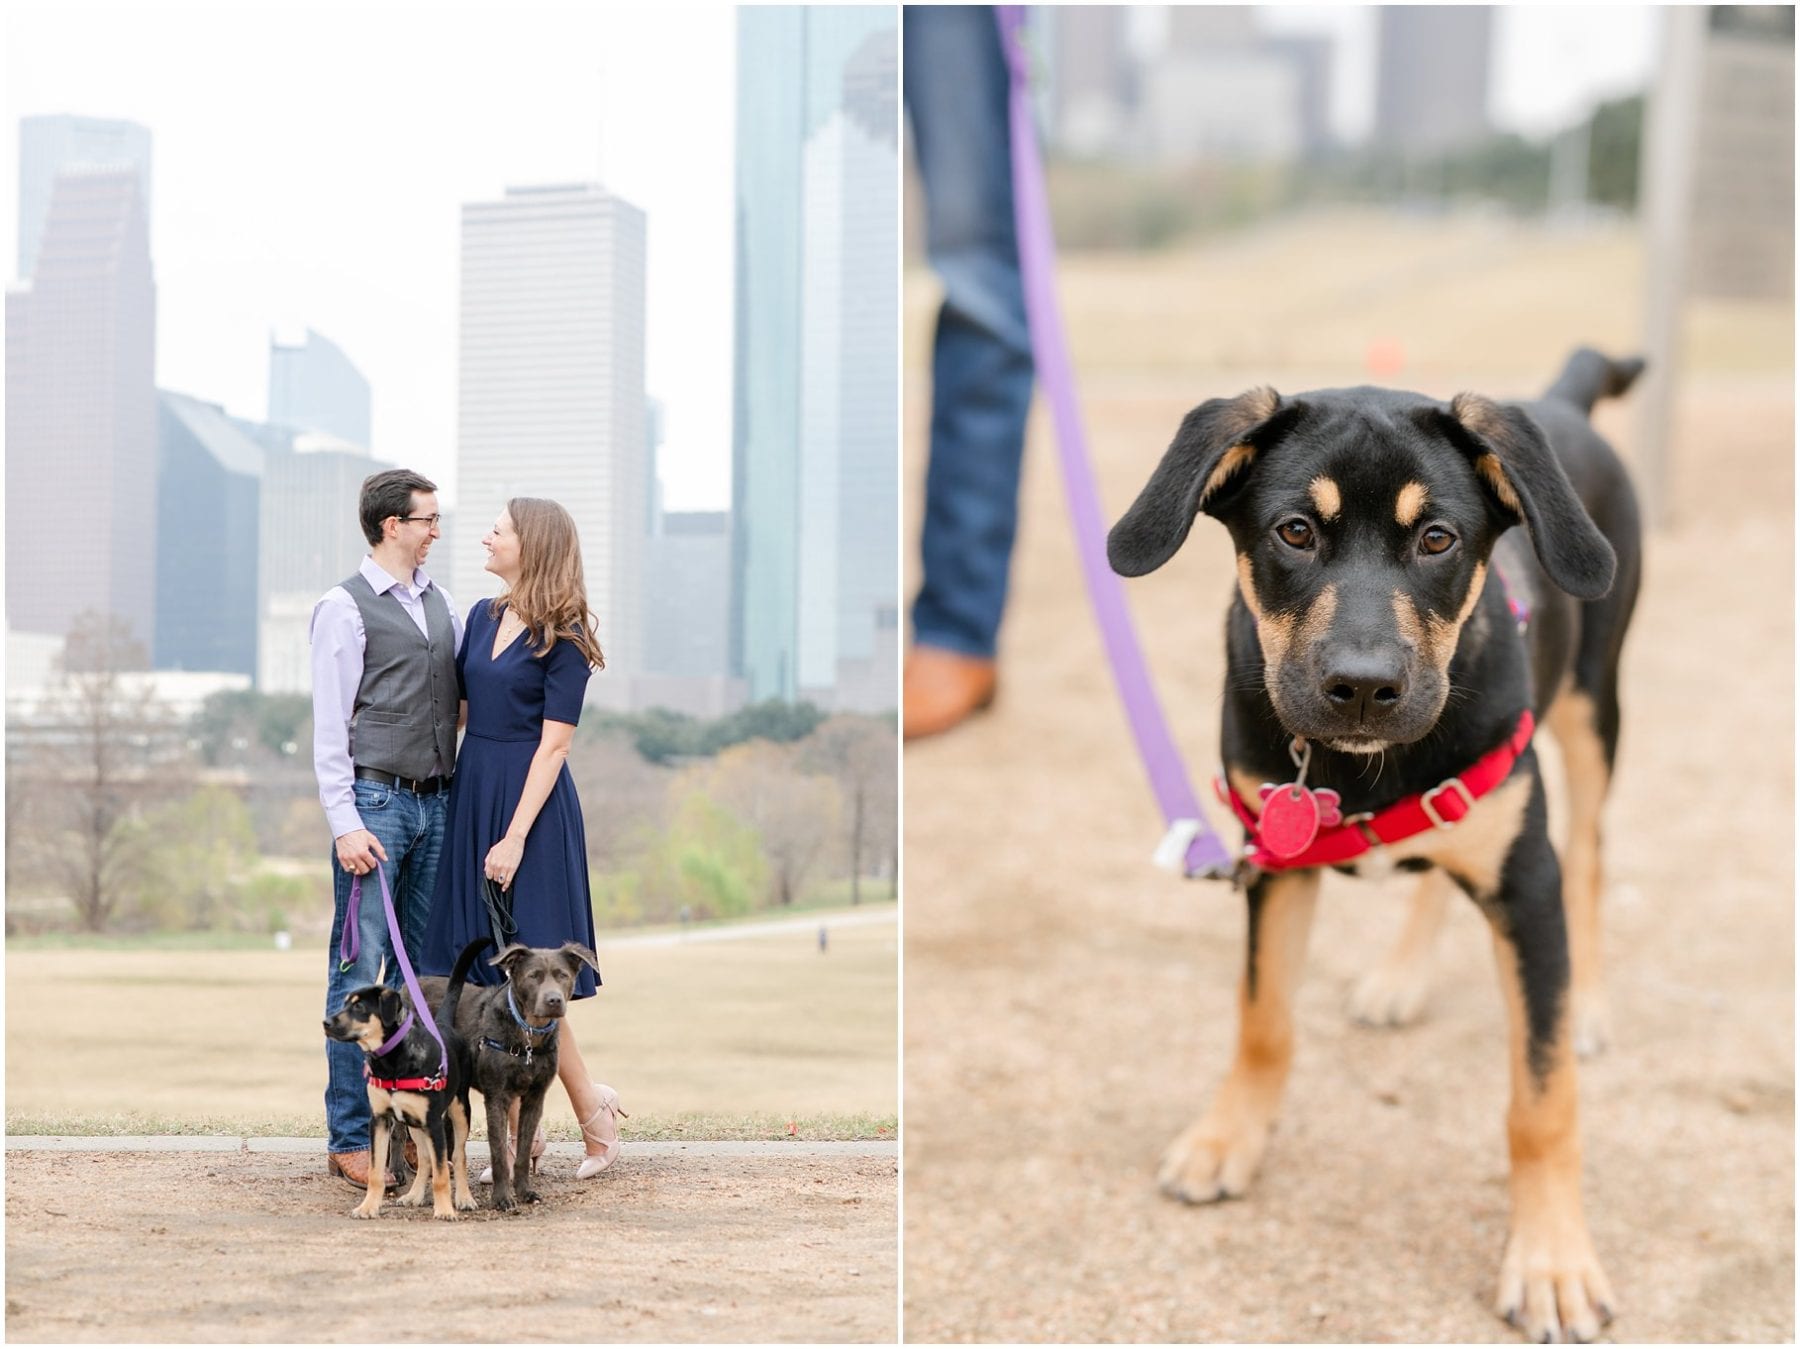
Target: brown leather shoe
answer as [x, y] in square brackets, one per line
[354, 1168]
[942, 688]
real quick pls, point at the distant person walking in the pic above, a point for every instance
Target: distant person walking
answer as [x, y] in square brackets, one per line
[514, 819]
[956, 100]
[385, 717]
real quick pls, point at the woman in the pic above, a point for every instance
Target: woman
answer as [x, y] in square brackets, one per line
[513, 837]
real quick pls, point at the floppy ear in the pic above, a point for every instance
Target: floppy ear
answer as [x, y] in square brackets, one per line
[393, 1010]
[509, 956]
[1516, 463]
[577, 955]
[1212, 448]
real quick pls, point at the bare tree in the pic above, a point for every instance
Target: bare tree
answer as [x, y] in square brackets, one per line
[860, 754]
[793, 812]
[103, 746]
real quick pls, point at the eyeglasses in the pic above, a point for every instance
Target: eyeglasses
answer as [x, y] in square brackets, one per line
[431, 520]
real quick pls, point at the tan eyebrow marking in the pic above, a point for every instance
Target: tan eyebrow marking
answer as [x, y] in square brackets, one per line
[1410, 503]
[1326, 497]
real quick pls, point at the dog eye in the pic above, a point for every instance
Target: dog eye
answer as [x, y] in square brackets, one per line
[1435, 540]
[1295, 533]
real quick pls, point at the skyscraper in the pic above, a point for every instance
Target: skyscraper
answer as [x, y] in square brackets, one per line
[208, 500]
[50, 145]
[814, 495]
[551, 399]
[314, 387]
[81, 413]
[1431, 85]
[308, 539]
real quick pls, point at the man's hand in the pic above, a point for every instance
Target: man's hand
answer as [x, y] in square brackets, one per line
[358, 851]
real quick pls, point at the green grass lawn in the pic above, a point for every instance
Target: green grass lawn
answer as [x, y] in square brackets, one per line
[718, 1039]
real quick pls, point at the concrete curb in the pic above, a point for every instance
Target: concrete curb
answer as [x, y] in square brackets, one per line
[220, 1143]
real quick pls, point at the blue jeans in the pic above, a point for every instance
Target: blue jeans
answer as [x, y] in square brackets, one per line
[411, 829]
[956, 98]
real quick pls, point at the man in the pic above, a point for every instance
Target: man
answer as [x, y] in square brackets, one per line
[385, 718]
[956, 99]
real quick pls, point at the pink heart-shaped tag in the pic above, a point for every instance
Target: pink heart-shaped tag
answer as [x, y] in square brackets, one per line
[1290, 818]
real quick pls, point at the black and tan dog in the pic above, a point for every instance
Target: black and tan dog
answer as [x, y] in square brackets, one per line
[405, 1090]
[511, 1034]
[1389, 648]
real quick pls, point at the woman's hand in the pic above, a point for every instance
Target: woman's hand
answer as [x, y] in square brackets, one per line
[503, 861]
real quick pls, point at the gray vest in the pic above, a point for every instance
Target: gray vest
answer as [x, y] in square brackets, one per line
[405, 716]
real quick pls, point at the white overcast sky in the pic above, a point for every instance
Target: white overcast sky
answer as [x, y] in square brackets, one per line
[309, 161]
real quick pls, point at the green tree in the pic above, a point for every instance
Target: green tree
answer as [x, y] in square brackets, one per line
[196, 855]
[707, 862]
[233, 721]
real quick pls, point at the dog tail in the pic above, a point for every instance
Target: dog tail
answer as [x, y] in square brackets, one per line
[459, 974]
[1588, 376]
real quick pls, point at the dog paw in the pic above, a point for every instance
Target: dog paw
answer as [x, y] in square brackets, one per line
[1390, 995]
[443, 1215]
[1593, 1024]
[1207, 1163]
[467, 1204]
[530, 1197]
[366, 1211]
[1551, 1286]
[505, 1202]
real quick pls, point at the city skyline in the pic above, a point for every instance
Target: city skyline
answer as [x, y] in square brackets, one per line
[280, 218]
[814, 536]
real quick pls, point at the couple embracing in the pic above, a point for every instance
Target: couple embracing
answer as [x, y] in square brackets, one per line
[468, 842]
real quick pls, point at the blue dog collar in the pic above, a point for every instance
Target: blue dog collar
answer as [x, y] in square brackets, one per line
[525, 1025]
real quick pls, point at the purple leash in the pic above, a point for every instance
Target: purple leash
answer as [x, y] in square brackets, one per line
[1189, 846]
[351, 943]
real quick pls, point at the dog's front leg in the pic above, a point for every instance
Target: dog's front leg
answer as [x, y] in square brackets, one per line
[531, 1110]
[1218, 1154]
[415, 1193]
[1551, 1284]
[459, 1154]
[437, 1142]
[378, 1150]
[498, 1151]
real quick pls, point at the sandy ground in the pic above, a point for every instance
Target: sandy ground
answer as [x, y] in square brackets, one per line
[257, 1247]
[1069, 1009]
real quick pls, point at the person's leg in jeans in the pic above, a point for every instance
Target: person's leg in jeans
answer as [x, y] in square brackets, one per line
[411, 831]
[956, 98]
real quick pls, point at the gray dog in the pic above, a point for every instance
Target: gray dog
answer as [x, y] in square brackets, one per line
[511, 1032]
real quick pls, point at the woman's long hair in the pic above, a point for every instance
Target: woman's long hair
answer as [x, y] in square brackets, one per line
[551, 594]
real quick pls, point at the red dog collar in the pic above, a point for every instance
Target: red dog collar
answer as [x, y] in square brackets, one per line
[1440, 808]
[404, 1083]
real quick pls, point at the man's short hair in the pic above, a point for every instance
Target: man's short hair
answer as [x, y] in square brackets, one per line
[389, 493]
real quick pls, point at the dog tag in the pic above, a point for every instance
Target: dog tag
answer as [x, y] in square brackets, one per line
[1292, 815]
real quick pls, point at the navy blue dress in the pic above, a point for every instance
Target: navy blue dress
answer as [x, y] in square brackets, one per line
[510, 697]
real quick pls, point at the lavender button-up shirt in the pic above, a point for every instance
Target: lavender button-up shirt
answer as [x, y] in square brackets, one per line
[337, 669]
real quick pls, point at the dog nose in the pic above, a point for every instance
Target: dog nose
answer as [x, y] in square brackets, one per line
[1364, 686]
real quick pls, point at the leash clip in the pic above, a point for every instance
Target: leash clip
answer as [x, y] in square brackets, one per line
[1171, 853]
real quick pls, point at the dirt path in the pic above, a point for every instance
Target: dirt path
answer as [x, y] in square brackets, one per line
[1070, 1009]
[259, 1247]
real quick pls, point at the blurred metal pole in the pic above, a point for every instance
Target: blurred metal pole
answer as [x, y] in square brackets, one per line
[1666, 188]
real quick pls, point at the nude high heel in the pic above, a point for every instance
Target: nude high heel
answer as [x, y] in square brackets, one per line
[602, 1127]
[539, 1142]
